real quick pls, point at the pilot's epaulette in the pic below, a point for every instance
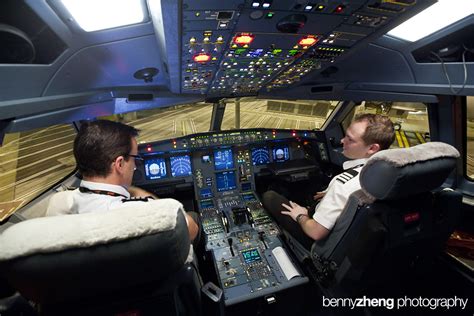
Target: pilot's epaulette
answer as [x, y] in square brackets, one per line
[138, 198]
[347, 175]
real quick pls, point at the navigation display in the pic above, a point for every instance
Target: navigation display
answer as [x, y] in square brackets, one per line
[251, 255]
[260, 156]
[180, 166]
[281, 154]
[225, 181]
[223, 159]
[155, 168]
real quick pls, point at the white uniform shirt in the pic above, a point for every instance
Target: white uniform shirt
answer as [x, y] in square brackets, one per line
[337, 194]
[76, 202]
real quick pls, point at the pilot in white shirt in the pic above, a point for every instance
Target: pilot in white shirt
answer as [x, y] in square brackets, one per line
[367, 134]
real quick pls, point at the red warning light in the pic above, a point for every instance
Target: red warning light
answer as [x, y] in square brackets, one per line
[244, 39]
[293, 133]
[308, 41]
[411, 217]
[148, 149]
[201, 58]
[339, 8]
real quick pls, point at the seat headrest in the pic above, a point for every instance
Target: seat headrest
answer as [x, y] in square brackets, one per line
[398, 173]
[56, 258]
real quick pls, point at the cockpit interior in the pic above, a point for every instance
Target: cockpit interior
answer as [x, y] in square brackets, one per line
[232, 99]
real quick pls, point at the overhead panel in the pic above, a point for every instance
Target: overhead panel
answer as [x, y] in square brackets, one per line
[240, 48]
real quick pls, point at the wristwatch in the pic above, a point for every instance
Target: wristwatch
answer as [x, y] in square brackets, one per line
[299, 216]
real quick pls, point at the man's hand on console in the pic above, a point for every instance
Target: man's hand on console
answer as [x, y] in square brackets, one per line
[294, 210]
[139, 192]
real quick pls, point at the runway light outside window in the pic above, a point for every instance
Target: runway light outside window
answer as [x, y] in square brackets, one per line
[95, 15]
[244, 39]
[308, 41]
[432, 19]
[202, 58]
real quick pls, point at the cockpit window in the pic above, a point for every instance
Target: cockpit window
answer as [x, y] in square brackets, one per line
[169, 122]
[410, 120]
[31, 162]
[281, 114]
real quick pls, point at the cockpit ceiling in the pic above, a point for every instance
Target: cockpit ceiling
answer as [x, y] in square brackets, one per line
[234, 48]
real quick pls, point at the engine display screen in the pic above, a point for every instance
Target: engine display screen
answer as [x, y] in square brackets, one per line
[206, 204]
[223, 159]
[205, 193]
[155, 168]
[251, 255]
[260, 156]
[225, 181]
[281, 154]
[180, 166]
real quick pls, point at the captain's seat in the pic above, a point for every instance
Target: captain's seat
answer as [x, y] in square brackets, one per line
[400, 218]
[124, 262]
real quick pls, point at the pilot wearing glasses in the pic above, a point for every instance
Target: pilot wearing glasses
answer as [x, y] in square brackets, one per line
[106, 154]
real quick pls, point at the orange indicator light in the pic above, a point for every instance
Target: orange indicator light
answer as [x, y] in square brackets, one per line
[202, 58]
[308, 41]
[244, 39]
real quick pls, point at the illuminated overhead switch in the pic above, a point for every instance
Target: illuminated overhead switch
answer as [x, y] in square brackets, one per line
[266, 4]
[320, 7]
[223, 24]
[255, 4]
[243, 39]
[202, 58]
[339, 9]
[308, 41]
[269, 15]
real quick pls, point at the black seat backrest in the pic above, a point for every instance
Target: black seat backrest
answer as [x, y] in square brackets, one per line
[396, 217]
[106, 261]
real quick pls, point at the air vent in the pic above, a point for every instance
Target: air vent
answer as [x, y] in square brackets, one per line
[17, 48]
[24, 37]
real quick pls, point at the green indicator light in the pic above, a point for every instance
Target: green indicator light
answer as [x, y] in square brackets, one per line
[276, 51]
[293, 52]
[240, 51]
[269, 15]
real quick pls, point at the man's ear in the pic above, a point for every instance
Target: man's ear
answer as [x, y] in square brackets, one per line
[118, 163]
[373, 149]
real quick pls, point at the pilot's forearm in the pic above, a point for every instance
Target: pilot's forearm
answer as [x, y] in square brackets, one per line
[312, 228]
[139, 192]
[192, 228]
